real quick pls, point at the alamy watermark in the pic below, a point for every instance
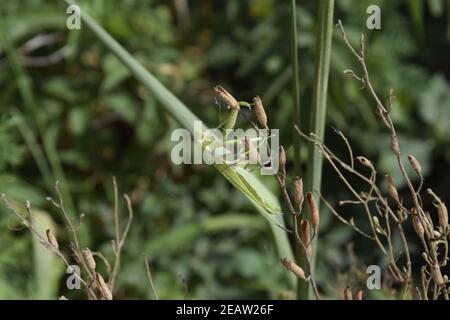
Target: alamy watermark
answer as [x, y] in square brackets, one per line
[73, 21]
[74, 280]
[374, 280]
[374, 20]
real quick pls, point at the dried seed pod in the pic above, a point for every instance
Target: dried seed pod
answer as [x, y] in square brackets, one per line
[348, 293]
[294, 268]
[359, 294]
[442, 210]
[89, 258]
[298, 193]
[105, 291]
[52, 239]
[282, 162]
[391, 188]
[304, 225]
[282, 159]
[443, 215]
[394, 144]
[418, 227]
[415, 165]
[305, 235]
[226, 97]
[437, 275]
[364, 161]
[425, 256]
[315, 218]
[437, 234]
[259, 111]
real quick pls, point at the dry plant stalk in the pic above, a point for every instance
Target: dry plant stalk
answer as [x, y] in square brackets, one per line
[150, 278]
[95, 285]
[384, 215]
[119, 242]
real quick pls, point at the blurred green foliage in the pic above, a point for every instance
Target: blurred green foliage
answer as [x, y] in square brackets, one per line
[96, 121]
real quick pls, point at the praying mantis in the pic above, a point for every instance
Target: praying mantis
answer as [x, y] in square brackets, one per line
[237, 173]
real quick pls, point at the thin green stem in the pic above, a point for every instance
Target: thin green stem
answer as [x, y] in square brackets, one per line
[231, 120]
[296, 86]
[318, 111]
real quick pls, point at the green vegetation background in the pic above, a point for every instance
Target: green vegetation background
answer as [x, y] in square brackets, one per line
[93, 120]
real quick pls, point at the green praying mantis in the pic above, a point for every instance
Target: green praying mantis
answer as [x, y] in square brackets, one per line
[237, 173]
